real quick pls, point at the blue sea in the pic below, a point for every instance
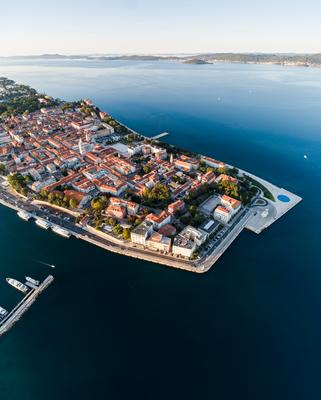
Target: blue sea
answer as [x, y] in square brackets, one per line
[112, 327]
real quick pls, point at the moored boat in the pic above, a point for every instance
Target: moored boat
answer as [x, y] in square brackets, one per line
[24, 215]
[33, 281]
[17, 285]
[3, 312]
[61, 231]
[42, 223]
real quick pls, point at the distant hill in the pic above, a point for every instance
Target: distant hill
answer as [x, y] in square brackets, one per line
[295, 59]
[306, 60]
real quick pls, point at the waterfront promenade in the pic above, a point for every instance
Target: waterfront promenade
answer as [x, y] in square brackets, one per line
[251, 218]
[107, 242]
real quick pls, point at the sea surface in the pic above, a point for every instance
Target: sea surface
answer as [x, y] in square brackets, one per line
[111, 327]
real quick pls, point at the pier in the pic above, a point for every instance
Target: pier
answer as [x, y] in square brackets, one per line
[159, 136]
[14, 315]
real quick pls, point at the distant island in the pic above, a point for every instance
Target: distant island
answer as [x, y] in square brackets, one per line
[289, 59]
[195, 61]
[76, 170]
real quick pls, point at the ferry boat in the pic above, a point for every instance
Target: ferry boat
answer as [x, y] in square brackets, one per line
[3, 312]
[33, 281]
[17, 285]
[24, 215]
[42, 223]
[61, 231]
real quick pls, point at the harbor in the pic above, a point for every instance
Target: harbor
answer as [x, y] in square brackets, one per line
[10, 318]
[59, 225]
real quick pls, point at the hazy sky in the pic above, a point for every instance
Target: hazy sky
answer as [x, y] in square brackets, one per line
[164, 26]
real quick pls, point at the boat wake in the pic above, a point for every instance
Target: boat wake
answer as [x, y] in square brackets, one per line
[44, 263]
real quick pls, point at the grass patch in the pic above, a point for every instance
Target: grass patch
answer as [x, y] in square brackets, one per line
[267, 194]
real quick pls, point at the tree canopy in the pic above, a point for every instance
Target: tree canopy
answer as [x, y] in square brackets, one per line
[159, 193]
[19, 183]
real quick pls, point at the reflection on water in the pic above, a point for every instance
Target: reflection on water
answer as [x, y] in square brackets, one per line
[110, 326]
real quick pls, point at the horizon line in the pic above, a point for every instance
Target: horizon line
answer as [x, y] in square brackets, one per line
[155, 54]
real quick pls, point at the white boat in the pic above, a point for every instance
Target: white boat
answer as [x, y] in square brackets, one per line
[61, 231]
[24, 215]
[3, 312]
[42, 223]
[33, 281]
[17, 285]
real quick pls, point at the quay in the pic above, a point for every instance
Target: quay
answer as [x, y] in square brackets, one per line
[257, 217]
[159, 136]
[14, 315]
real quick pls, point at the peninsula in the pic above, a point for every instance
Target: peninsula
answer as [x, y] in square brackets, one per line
[74, 168]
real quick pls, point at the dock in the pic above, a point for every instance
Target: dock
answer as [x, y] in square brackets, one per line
[14, 315]
[159, 136]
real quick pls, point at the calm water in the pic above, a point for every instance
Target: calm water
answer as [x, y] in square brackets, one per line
[111, 327]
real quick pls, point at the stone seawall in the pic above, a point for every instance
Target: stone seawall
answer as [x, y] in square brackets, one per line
[145, 256]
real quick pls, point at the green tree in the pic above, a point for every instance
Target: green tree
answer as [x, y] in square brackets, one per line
[2, 169]
[111, 221]
[43, 194]
[192, 209]
[19, 183]
[51, 197]
[118, 229]
[159, 193]
[147, 169]
[72, 203]
[97, 204]
[126, 234]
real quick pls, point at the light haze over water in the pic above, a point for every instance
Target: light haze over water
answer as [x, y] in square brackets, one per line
[114, 327]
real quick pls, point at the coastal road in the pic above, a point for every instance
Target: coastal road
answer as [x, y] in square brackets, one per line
[53, 216]
[210, 259]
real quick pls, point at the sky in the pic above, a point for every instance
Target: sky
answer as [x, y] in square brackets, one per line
[154, 27]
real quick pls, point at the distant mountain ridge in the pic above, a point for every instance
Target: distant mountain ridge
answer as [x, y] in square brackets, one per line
[307, 60]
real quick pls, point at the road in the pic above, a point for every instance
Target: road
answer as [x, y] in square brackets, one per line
[227, 239]
[64, 220]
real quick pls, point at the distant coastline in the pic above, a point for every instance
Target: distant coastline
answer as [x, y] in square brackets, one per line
[285, 59]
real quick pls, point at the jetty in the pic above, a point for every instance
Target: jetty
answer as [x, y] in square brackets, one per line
[159, 136]
[13, 316]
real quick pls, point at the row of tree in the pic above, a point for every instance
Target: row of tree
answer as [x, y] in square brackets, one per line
[116, 227]
[57, 198]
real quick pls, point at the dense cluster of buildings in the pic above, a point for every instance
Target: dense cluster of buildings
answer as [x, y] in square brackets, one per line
[64, 150]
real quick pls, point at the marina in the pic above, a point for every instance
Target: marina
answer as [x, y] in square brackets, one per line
[10, 318]
[42, 223]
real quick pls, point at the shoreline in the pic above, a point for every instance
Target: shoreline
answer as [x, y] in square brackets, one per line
[198, 250]
[193, 59]
[109, 243]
